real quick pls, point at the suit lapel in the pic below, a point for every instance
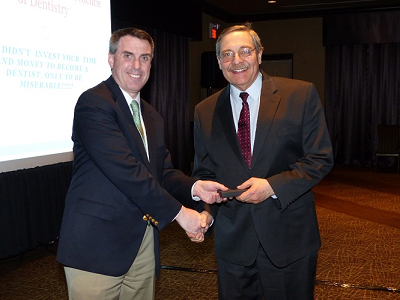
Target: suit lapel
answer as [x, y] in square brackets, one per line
[151, 128]
[269, 102]
[224, 109]
[126, 112]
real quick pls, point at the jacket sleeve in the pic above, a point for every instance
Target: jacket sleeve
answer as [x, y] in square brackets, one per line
[316, 159]
[101, 130]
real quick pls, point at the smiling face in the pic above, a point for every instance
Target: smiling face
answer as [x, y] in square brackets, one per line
[131, 64]
[240, 72]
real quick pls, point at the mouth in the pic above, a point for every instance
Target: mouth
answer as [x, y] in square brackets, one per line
[239, 69]
[134, 76]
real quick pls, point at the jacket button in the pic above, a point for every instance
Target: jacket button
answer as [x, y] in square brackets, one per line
[145, 218]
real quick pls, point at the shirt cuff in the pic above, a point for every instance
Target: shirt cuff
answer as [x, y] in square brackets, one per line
[194, 197]
[177, 214]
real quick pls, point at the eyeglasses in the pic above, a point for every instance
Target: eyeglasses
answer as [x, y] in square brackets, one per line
[228, 56]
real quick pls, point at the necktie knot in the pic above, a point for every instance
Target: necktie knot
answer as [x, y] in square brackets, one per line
[244, 96]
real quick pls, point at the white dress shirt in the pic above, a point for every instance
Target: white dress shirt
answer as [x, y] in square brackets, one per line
[253, 100]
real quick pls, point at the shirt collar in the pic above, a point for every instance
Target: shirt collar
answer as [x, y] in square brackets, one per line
[129, 99]
[254, 90]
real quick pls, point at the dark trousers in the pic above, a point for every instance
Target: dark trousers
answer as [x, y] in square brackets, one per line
[263, 280]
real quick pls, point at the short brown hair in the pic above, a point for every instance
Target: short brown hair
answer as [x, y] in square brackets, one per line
[134, 32]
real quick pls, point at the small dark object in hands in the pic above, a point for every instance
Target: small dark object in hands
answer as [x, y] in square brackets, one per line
[231, 193]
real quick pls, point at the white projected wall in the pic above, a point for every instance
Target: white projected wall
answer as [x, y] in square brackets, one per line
[50, 52]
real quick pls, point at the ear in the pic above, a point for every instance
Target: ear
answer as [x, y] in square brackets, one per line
[259, 56]
[111, 60]
[219, 63]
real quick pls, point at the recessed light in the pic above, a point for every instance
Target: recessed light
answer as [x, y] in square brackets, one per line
[271, 1]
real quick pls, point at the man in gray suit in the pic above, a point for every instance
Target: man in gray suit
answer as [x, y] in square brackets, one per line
[267, 135]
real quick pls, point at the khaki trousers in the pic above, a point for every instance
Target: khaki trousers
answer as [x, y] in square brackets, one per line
[137, 283]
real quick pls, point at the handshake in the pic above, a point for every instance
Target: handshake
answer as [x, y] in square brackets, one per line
[196, 224]
[252, 191]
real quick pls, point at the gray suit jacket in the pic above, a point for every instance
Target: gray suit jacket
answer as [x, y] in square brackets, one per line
[292, 150]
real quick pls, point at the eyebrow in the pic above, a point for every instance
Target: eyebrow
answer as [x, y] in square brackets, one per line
[242, 47]
[130, 53]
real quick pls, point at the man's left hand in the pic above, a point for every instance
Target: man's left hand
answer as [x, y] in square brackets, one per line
[258, 191]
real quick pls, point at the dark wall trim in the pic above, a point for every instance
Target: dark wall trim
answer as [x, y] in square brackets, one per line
[182, 17]
[362, 28]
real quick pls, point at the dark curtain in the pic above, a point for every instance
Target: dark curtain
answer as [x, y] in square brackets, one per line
[31, 207]
[169, 95]
[362, 91]
[167, 91]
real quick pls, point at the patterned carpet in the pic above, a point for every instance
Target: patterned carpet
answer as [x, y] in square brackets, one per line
[359, 217]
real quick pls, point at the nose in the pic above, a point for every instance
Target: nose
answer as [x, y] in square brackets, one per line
[237, 58]
[136, 63]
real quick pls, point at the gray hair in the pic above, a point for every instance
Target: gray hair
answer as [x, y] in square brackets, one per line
[245, 27]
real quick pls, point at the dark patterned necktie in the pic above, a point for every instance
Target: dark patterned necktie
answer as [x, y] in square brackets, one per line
[244, 130]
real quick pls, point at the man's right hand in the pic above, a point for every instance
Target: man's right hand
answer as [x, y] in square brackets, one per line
[205, 222]
[189, 220]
